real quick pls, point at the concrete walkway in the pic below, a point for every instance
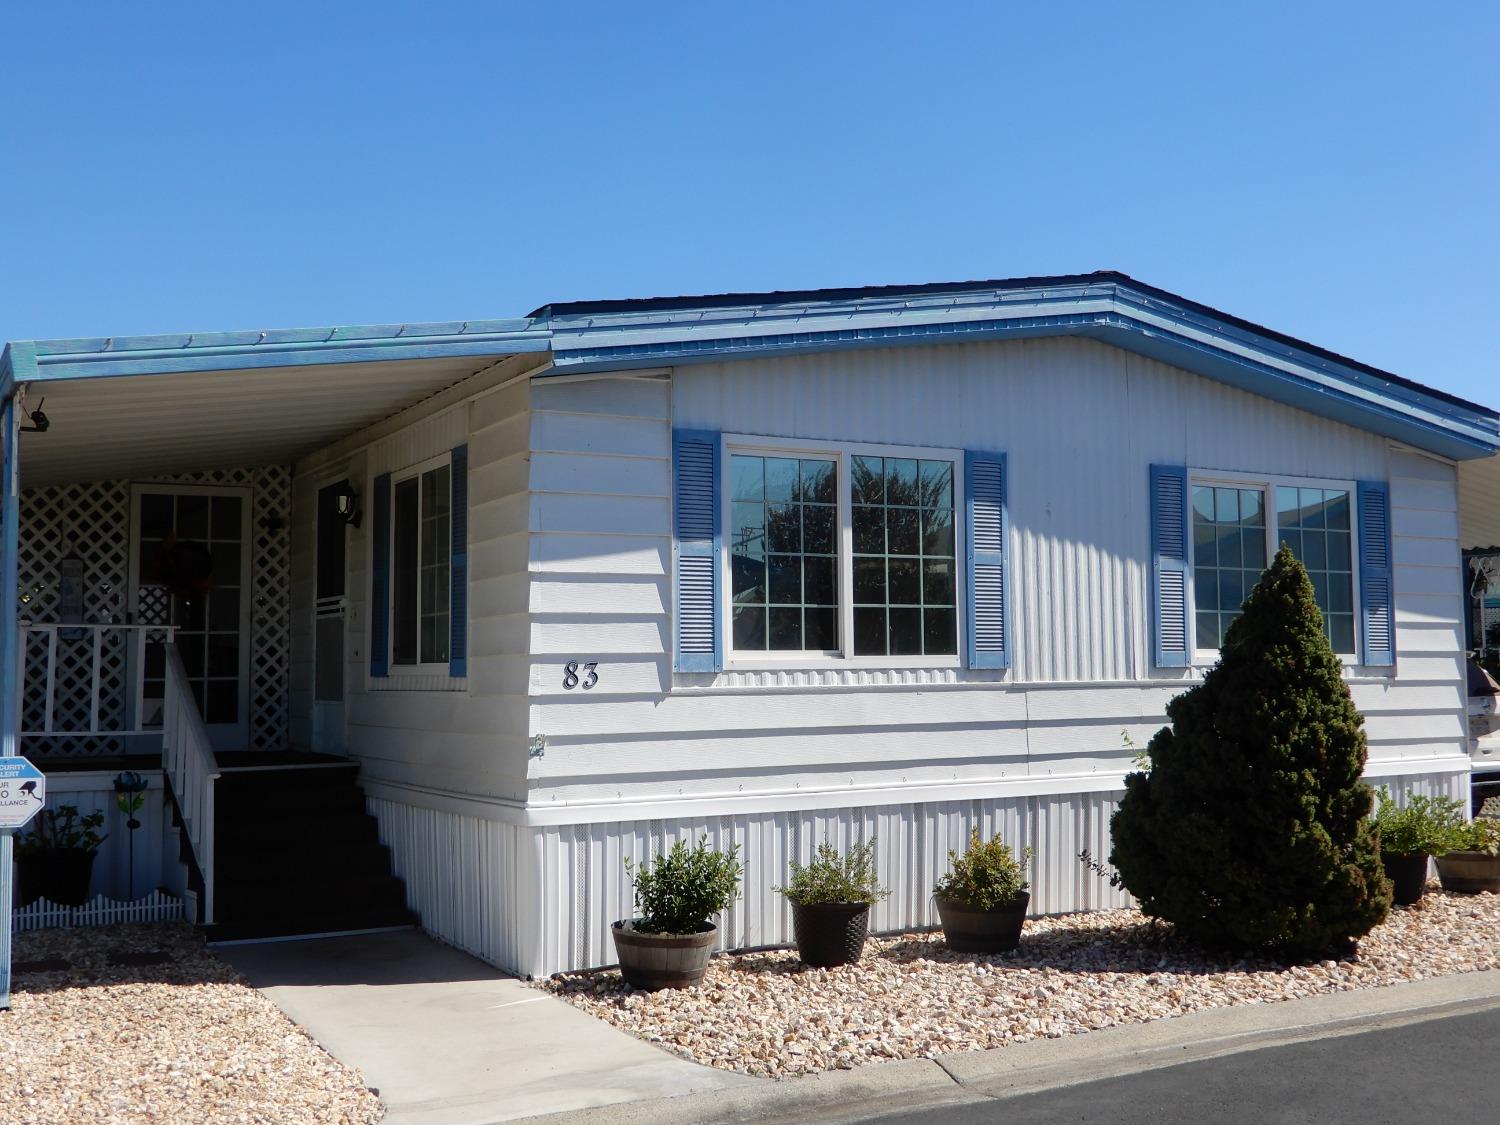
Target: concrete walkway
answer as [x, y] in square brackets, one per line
[447, 1040]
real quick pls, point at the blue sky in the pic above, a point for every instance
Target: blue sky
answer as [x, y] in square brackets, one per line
[1330, 170]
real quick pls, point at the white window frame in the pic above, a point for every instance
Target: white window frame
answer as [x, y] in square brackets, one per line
[843, 454]
[431, 668]
[1203, 657]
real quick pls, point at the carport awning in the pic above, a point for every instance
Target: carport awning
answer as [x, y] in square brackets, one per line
[145, 406]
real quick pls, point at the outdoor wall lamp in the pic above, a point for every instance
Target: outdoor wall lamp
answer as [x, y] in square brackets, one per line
[40, 423]
[348, 503]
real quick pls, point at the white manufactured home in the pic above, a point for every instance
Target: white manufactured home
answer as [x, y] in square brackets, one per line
[481, 609]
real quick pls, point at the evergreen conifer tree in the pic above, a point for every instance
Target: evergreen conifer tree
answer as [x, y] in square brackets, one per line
[1249, 829]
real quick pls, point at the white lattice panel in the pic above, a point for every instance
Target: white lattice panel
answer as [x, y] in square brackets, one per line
[92, 520]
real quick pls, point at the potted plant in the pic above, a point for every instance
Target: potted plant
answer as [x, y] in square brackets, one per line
[669, 944]
[55, 856]
[982, 901]
[1427, 826]
[831, 899]
[1474, 865]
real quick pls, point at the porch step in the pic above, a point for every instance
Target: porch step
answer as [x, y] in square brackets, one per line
[295, 852]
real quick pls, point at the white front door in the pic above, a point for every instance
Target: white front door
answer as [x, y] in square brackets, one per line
[190, 568]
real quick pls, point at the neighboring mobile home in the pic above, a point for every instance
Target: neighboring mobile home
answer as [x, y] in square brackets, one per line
[767, 567]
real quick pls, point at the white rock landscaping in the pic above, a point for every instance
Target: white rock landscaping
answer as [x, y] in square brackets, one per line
[910, 997]
[184, 1040]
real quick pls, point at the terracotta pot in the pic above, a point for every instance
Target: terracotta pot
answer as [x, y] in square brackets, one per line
[982, 931]
[61, 875]
[650, 961]
[830, 933]
[1469, 872]
[1408, 875]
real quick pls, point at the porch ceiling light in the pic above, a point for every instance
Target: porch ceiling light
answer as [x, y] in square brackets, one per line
[348, 503]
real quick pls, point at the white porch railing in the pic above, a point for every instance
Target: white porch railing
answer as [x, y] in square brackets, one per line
[85, 687]
[187, 760]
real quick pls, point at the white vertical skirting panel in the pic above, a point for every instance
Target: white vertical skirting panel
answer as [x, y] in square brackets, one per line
[542, 900]
[93, 791]
[462, 877]
[584, 888]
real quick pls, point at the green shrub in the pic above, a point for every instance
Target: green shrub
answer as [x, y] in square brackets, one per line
[62, 828]
[1482, 835]
[1434, 825]
[679, 892]
[1251, 828]
[832, 877]
[985, 876]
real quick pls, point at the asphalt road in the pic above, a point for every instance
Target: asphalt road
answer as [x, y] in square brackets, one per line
[1441, 1071]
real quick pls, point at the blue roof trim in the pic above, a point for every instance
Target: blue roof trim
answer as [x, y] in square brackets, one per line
[223, 351]
[1139, 319]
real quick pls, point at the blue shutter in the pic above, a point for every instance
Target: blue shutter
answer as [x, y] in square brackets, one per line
[988, 559]
[1169, 565]
[380, 584]
[698, 638]
[458, 577]
[1376, 602]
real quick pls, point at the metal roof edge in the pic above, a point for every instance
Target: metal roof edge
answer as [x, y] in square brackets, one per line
[1226, 350]
[103, 357]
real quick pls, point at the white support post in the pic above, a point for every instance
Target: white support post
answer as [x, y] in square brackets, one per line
[7, 852]
[47, 719]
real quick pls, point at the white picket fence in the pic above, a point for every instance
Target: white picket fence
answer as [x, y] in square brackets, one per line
[44, 914]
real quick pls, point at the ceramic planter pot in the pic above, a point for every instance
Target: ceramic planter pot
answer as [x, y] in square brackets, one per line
[1469, 872]
[60, 875]
[651, 961]
[1408, 875]
[982, 931]
[830, 933]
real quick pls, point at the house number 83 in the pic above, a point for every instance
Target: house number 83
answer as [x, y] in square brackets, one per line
[571, 678]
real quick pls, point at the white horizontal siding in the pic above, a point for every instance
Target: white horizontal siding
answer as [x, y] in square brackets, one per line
[1081, 422]
[434, 731]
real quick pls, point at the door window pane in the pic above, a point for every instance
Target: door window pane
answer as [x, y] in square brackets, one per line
[783, 553]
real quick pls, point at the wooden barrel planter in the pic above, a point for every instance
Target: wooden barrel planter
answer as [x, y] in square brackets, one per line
[1408, 876]
[830, 933]
[1469, 872]
[982, 931]
[654, 961]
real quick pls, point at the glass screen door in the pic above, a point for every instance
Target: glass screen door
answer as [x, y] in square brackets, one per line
[190, 568]
[329, 614]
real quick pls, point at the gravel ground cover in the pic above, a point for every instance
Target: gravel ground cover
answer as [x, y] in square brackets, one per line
[910, 997]
[182, 1040]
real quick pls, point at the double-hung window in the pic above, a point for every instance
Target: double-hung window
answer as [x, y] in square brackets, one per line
[841, 552]
[421, 564]
[1237, 523]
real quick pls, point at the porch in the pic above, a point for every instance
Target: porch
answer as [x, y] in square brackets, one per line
[149, 536]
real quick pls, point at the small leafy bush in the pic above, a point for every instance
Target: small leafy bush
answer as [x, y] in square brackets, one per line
[832, 877]
[1482, 835]
[62, 828]
[1433, 825]
[986, 875]
[679, 892]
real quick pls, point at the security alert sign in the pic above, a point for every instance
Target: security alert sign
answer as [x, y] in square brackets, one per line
[23, 791]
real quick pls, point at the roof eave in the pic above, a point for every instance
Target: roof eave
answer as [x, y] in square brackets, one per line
[234, 351]
[1139, 319]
